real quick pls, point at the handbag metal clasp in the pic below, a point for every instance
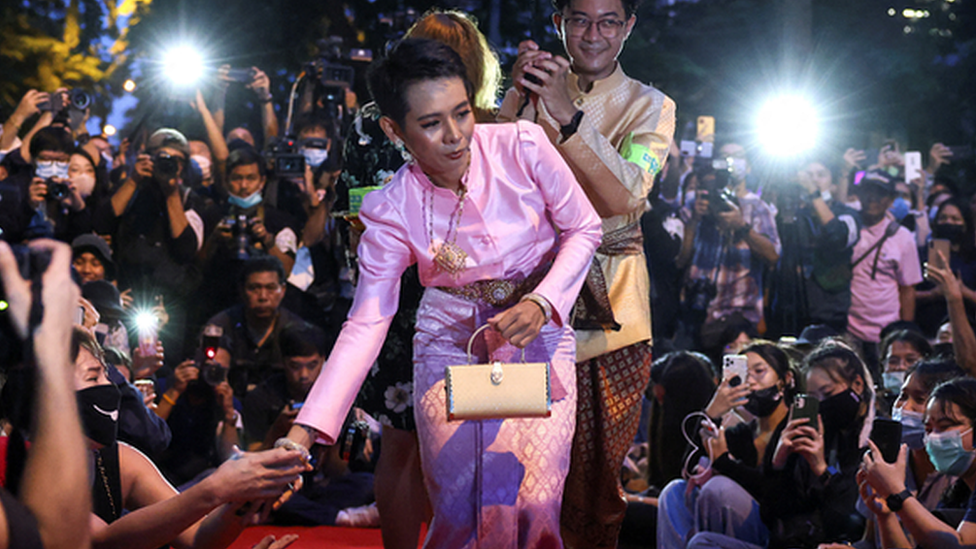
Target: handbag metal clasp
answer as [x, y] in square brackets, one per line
[497, 373]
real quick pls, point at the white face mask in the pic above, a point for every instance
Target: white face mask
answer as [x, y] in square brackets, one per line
[46, 169]
[85, 183]
[315, 157]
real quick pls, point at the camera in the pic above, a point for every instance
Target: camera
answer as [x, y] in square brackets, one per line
[242, 76]
[166, 166]
[713, 184]
[332, 74]
[77, 99]
[283, 155]
[213, 373]
[56, 190]
[353, 440]
[240, 235]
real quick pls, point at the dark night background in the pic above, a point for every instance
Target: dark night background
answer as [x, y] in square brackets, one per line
[872, 71]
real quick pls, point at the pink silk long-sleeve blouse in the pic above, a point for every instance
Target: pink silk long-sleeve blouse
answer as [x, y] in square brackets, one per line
[522, 202]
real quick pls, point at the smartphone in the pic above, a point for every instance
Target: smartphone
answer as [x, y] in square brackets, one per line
[243, 76]
[80, 316]
[688, 148]
[145, 386]
[297, 405]
[935, 246]
[913, 165]
[886, 435]
[706, 129]
[735, 369]
[805, 406]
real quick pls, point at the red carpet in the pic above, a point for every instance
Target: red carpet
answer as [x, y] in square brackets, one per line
[315, 538]
[309, 538]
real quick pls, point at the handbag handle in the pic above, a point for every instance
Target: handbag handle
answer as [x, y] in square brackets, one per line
[471, 343]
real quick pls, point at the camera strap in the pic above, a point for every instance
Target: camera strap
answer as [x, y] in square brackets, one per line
[890, 230]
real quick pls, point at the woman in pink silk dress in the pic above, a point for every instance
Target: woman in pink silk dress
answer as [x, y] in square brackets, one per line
[478, 204]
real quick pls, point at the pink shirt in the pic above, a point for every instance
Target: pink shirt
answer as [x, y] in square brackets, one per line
[875, 303]
[520, 194]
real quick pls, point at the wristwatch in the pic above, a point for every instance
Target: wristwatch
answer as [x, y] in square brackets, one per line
[569, 129]
[896, 501]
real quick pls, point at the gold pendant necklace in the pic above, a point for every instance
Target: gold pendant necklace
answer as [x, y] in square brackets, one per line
[449, 257]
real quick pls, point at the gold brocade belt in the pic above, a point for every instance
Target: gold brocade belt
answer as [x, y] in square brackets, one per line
[499, 292]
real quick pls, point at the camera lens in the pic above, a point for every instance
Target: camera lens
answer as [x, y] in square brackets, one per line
[57, 191]
[79, 99]
[166, 166]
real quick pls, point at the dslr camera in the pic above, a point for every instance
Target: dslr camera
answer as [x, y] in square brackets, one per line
[166, 166]
[57, 191]
[286, 162]
[713, 184]
[240, 230]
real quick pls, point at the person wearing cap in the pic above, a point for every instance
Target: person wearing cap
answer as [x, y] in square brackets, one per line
[92, 258]
[885, 267]
[155, 228]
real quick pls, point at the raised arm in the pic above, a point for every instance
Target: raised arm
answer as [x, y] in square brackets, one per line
[261, 85]
[55, 483]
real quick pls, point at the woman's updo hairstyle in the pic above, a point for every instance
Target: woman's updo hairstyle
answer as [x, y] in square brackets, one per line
[412, 60]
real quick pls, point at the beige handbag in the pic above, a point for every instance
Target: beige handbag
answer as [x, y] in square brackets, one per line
[497, 390]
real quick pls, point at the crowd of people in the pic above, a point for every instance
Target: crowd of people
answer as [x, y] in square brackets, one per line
[727, 354]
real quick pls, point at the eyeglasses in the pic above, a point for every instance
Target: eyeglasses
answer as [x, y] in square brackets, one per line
[908, 361]
[608, 28]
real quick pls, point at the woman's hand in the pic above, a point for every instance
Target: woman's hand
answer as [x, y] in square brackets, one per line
[186, 372]
[875, 504]
[792, 439]
[946, 281]
[809, 443]
[717, 446]
[520, 324]
[726, 398]
[883, 477]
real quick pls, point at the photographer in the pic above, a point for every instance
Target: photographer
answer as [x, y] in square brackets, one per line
[257, 81]
[729, 241]
[248, 227]
[812, 283]
[54, 205]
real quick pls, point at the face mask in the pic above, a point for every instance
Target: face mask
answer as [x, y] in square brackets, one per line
[46, 169]
[893, 381]
[203, 163]
[840, 410]
[107, 161]
[950, 232]
[912, 427]
[85, 183]
[899, 208]
[315, 157]
[761, 403]
[247, 202]
[99, 410]
[947, 453]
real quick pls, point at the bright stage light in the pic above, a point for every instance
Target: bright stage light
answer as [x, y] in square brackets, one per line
[787, 126]
[129, 85]
[109, 130]
[183, 66]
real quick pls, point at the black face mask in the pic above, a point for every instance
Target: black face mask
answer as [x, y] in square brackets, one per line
[950, 232]
[761, 403]
[99, 410]
[840, 410]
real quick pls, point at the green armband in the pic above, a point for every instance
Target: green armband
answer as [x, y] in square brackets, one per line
[356, 198]
[639, 154]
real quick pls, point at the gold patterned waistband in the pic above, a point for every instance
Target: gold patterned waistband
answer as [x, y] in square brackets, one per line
[498, 292]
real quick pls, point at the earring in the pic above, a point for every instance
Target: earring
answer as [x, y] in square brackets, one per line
[407, 157]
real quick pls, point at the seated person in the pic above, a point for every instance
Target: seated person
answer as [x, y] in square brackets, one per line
[943, 493]
[210, 514]
[270, 409]
[900, 350]
[250, 329]
[950, 415]
[730, 492]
